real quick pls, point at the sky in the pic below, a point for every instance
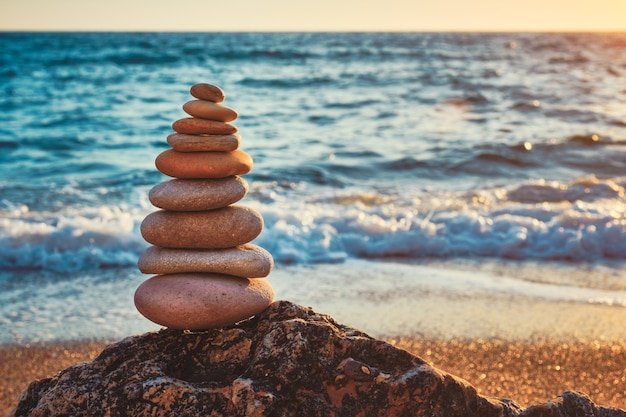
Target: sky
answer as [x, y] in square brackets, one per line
[313, 15]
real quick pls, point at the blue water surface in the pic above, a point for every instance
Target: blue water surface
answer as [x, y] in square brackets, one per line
[367, 146]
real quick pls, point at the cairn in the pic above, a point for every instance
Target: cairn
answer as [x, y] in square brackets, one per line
[208, 274]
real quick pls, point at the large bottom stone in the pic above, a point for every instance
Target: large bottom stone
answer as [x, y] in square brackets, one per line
[196, 301]
[287, 361]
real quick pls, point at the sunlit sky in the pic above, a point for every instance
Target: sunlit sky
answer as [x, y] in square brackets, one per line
[314, 15]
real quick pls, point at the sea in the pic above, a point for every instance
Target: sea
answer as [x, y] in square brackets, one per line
[418, 184]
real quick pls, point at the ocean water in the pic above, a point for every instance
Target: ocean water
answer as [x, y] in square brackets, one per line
[447, 163]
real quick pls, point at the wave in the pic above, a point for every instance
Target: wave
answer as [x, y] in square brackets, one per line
[584, 154]
[579, 221]
[583, 189]
[344, 121]
[274, 54]
[70, 240]
[287, 82]
[493, 223]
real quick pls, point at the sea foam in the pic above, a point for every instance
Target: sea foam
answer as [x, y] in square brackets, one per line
[72, 239]
[480, 223]
[577, 221]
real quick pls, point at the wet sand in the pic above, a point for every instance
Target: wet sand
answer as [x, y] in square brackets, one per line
[527, 372]
[454, 300]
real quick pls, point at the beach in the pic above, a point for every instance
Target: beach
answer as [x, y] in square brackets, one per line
[528, 372]
[461, 195]
[528, 347]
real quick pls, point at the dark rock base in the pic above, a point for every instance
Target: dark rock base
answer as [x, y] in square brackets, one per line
[287, 361]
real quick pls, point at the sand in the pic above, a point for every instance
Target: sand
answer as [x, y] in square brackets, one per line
[520, 332]
[528, 372]
[453, 300]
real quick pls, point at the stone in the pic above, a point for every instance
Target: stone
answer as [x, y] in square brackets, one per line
[285, 361]
[204, 91]
[193, 126]
[204, 109]
[248, 261]
[225, 227]
[197, 301]
[196, 165]
[198, 194]
[200, 143]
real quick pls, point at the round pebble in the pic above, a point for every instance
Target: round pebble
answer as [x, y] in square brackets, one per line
[190, 165]
[225, 227]
[197, 143]
[196, 195]
[208, 110]
[194, 126]
[248, 261]
[201, 301]
[209, 92]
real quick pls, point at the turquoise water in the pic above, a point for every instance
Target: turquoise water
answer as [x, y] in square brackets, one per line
[410, 147]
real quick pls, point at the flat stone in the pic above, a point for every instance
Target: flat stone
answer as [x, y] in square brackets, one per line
[204, 109]
[201, 301]
[209, 92]
[194, 126]
[248, 261]
[225, 227]
[190, 165]
[196, 195]
[201, 143]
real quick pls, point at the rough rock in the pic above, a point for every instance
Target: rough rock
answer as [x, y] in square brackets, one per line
[286, 361]
[571, 404]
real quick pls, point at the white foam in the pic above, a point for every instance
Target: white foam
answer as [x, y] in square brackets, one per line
[70, 240]
[483, 223]
[302, 227]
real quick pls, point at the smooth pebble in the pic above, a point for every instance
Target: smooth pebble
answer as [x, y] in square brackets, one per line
[198, 301]
[210, 92]
[204, 109]
[196, 195]
[194, 126]
[197, 165]
[248, 261]
[220, 228]
[199, 143]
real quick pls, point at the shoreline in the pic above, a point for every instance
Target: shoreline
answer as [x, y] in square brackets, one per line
[431, 299]
[520, 331]
[527, 372]
[447, 300]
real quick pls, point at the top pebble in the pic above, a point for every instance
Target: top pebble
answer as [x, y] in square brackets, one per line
[207, 92]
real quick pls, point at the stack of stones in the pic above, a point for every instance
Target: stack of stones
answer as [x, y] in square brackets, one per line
[208, 274]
